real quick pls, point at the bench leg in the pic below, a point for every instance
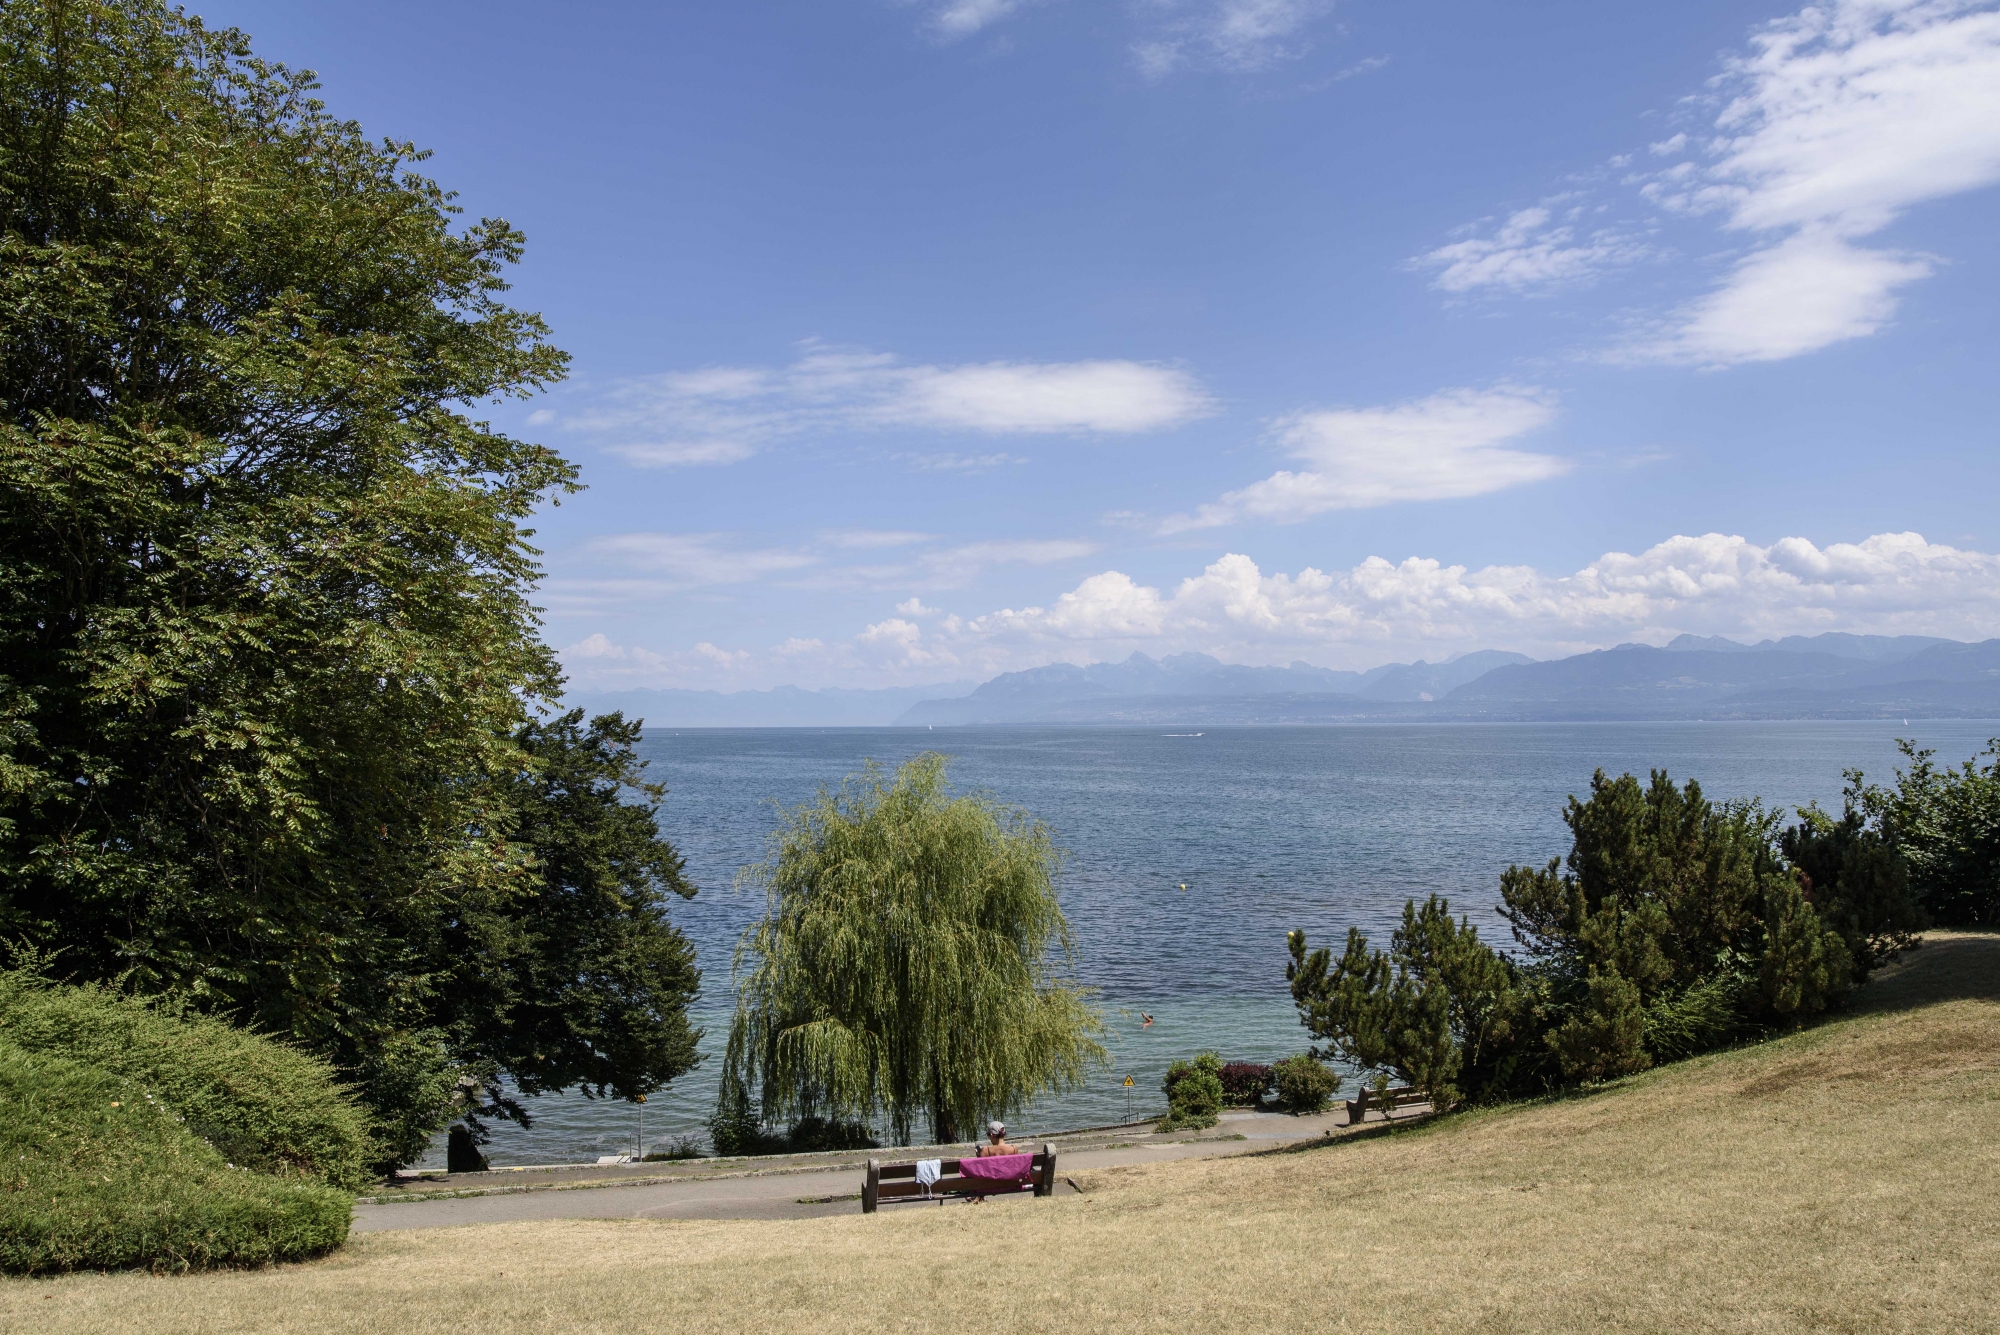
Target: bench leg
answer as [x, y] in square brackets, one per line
[871, 1187]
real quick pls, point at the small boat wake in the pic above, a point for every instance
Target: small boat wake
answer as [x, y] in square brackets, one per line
[1180, 734]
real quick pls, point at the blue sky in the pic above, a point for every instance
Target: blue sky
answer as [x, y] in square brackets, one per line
[918, 341]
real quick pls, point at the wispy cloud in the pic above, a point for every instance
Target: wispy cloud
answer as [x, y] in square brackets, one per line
[692, 559]
[1833, 123]
[725, 413]
[962, 18]
[1451, 444]
[634, 569]
[1227, 34]
[1533, 249]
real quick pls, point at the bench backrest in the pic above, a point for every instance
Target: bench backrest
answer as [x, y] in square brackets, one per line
[1393, 1099]
[898, 1181]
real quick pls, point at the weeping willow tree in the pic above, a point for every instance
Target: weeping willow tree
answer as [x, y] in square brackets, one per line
[903, 964]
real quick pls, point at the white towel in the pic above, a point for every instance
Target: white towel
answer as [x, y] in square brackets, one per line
[928, 1172]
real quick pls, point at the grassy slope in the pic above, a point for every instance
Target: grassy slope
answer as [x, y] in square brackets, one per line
[1843, 1179]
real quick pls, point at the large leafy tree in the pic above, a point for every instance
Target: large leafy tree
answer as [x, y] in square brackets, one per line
[904, 965]
[267, 660]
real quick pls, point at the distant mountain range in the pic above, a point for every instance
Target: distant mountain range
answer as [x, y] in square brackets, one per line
[781, 707]
[1834, 675]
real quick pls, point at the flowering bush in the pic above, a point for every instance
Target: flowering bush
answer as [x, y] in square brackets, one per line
[1244, 1084]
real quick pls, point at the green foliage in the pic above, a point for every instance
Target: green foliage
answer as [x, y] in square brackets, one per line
[904, 962]
[1857, 880]
[734, 1127]
[1603, 1035]
[269, 657]
[1304, 1083]
[680, 1148]
[1705, 1016]
[1946, 824]
[1441, 1008]
[1674, 925]
[263, 586]
[99, 1173]
[1661, 891]
[263, 1105]
[1194, 1093]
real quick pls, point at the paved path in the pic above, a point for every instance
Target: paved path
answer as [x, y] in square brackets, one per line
[804, 1195]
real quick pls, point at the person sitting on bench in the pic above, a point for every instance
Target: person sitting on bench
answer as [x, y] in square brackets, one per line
[996, 1141]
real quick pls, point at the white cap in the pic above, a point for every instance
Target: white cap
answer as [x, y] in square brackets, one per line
[996, 1128]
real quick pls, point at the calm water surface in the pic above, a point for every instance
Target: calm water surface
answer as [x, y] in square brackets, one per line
[1268, 828]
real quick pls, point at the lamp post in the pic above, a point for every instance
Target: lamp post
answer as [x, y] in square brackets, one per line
[641, 1155]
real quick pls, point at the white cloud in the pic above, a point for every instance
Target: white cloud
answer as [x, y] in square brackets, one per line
[1832, 124]
[689, 560]
[958, 463]
[1230, 34]
[1840, 119]
[1448, 445]
[870, 539]
[957, 566]
[963, 18]
[914, 607]
[1714, 584]
[1529, 250]
[723, 414]
[1381, 611]
[1807, 291]
[682, 453]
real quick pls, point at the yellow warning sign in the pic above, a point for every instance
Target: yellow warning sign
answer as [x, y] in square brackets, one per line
[1128, 1082]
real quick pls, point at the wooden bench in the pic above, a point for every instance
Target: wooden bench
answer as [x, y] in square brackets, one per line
[1383, 1101]
[898, 1181]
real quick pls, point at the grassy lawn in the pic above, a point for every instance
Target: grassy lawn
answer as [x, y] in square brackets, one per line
[1842, 1179]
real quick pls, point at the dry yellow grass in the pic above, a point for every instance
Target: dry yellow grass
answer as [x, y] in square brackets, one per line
[1843, 1179]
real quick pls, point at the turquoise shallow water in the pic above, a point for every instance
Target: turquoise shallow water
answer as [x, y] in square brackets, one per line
[1269, 828]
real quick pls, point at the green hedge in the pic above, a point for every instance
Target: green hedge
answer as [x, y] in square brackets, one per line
[262, 1105]
[96, 1173]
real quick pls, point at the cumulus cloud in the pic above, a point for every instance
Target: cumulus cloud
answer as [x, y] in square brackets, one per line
[1448, 445]
[1834, 122]
[1715, 584]
[723, 414]
[1382, 611]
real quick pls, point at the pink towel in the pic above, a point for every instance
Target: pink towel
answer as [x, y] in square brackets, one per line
[1002, 1170]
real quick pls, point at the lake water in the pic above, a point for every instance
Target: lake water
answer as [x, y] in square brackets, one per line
[1267, 828]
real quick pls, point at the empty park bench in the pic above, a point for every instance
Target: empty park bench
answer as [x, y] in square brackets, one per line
[1383, 1101]
[898, 1181]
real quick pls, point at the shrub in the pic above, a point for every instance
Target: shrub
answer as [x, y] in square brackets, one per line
[681, 1147]
[263, 1105]
[100, 1174]
[734, 1128]
[814, 1134]
[1945, 822]
[1244, 1084]
[1304, 1083]
[1194, 1093]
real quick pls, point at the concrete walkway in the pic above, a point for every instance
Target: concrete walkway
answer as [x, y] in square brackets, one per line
[740, 1189]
